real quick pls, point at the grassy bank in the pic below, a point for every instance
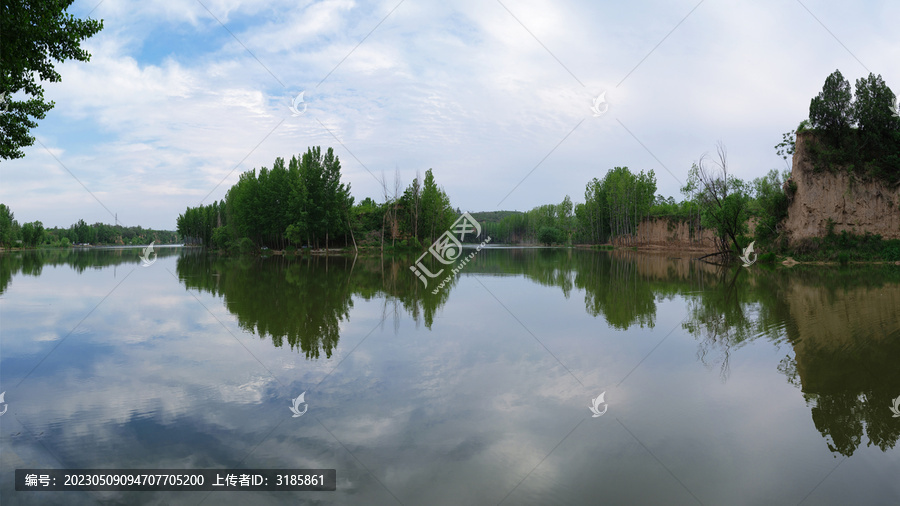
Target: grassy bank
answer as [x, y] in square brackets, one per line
[846, 247]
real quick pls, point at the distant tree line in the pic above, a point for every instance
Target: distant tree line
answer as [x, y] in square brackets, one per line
[613, 207]
[33, 234]
[303, 203]
[547, 224]
[861, 134]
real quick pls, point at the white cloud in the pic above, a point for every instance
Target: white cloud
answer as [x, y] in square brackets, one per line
[461, 88]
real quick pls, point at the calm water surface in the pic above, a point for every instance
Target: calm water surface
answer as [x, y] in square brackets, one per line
[735, 386]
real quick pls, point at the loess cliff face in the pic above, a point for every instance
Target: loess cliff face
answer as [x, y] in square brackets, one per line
[673, 235]
[853, 204]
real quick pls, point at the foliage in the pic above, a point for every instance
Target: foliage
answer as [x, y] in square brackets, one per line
[424, 210]
[831, 110]
[525, 227]
[35, 34]
[34, 234]
[221, 238]
[245, 245]
[787, 146]
[301, 203]
[551, 235]
[872, 149]
[724, 201]
[847, 246]
[492, 216]
[9, 227]
[305, 203]
[615, 205]
[769, 205]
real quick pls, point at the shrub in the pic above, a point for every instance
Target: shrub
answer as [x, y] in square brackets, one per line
[245, 245]
[221, 238]
[550, 236]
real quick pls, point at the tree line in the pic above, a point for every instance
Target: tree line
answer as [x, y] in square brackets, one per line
[861, 133]
[33, 234]
[613, 208]
[303, 203]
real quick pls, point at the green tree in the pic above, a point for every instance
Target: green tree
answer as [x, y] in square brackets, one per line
[84, 233]
[27, 234]
[832, 109]
[725, 202]
[436, 213]
[872, 108]
[39, 233]
[770, 204]
[32, 234]
[8, 226]
[35, 34]
[550, 235]
[564, 217]
[879, 129]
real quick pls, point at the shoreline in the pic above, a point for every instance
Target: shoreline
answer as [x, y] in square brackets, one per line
[669, 249]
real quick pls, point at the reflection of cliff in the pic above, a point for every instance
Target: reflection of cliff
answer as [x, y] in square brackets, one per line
[863, 206]
[620, 286]
[847, 346]
[844, 328]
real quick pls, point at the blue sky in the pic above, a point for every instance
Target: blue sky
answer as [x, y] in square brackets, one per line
[484, 93]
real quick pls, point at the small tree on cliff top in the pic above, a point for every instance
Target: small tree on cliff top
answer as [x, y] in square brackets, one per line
[873, 109]
[832, 110]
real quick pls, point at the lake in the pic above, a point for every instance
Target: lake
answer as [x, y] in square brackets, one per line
[759, 385]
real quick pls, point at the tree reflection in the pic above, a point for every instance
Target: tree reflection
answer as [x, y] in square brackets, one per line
[32, 262]
[304, 301]
[842, 327]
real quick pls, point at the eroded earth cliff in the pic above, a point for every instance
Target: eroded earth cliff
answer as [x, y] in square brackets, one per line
[854, 204]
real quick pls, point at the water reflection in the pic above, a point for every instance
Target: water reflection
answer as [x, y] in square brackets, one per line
[304, 300]
[841, 326]
[845, 333]
[32, 262]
